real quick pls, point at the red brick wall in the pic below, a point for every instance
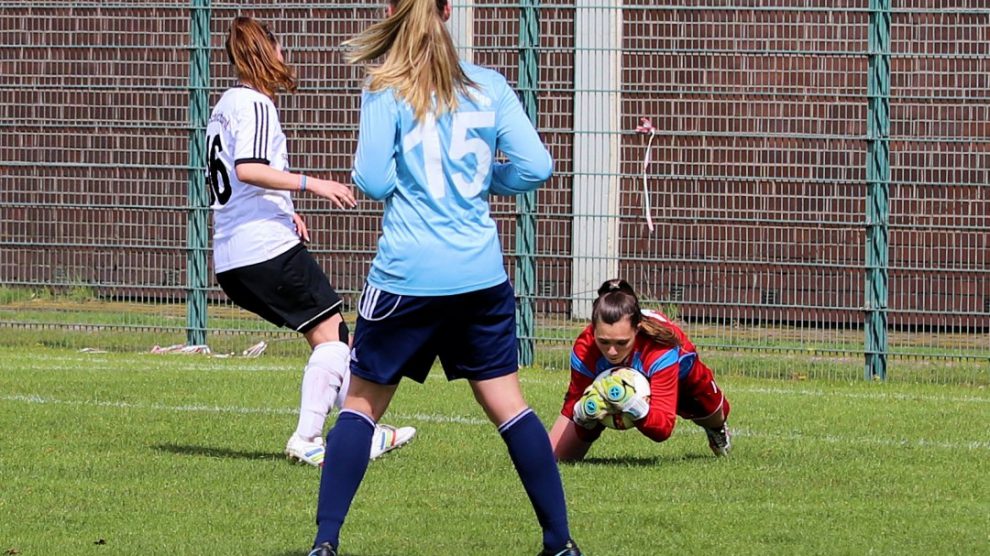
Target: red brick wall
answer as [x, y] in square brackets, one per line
[757, 182]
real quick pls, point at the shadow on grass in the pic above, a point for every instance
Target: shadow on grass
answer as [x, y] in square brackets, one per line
[639, 461]
[209, 452]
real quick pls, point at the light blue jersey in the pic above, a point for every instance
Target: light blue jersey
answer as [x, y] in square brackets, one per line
[435, 177]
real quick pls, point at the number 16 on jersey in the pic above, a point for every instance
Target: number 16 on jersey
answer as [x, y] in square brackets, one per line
[217, 179]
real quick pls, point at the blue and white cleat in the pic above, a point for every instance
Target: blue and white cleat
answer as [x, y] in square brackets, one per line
[388, 438]
[310, 452]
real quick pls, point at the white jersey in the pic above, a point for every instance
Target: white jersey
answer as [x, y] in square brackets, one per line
[250, 224]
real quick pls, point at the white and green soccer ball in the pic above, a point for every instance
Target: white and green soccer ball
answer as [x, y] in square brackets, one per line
[629, 382]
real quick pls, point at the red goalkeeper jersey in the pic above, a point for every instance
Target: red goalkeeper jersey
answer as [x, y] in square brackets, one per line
[673, 373]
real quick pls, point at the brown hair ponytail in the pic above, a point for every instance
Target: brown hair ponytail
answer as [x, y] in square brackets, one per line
[253, 51]
[616, 300]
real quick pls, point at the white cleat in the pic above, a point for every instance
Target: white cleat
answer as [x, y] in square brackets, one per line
[306, 451]
[388, 438]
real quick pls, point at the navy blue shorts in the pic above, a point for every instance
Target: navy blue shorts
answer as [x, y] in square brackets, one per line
[473, 334]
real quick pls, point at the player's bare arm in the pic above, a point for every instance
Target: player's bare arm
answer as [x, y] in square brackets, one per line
[263, 175]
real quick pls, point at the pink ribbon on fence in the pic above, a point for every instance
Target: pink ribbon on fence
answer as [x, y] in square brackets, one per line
[646, 126]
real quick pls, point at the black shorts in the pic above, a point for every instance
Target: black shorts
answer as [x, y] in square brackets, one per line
[290, 290]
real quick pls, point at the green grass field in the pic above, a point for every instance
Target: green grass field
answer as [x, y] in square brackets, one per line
[181, 454]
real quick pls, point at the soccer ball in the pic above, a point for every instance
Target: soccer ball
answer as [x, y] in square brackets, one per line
[631, 382]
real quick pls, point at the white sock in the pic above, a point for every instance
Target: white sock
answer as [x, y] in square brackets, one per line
[322, 379]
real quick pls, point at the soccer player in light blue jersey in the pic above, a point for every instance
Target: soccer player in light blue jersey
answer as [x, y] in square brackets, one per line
[430, 127]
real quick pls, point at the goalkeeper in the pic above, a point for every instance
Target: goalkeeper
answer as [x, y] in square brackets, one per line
[622, 335]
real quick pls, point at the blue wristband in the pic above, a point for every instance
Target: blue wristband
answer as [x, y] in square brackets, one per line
[302, 183]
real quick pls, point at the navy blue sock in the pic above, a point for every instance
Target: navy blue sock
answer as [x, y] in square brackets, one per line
[529, 448]
[346, 460]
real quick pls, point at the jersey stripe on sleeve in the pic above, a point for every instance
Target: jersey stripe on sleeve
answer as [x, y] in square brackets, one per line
[579, 365]
[260, 131]
[667, 359]
[687, 363]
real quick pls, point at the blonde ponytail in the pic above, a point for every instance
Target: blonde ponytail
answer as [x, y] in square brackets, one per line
[421, 63]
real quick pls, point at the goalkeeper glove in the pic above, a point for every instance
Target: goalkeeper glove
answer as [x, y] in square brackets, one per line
[589, 409]
[622, 396]
[636, 407]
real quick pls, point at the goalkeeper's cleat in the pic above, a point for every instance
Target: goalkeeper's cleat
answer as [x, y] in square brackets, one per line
[325, 549]
[570, 549]
[388, 438]
[306, 451]
[719, 440]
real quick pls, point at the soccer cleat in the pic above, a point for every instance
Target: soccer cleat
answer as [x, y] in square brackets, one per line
[570, 549]
[719, 440]
[388, 438]
[325, 549]
[305, 451]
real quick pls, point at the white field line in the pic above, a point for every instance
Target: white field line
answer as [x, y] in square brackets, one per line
[861, 395]
[878, 396]
[864, 441]
[155, 365]
[461, 420]
[559, 378]
[39, 400]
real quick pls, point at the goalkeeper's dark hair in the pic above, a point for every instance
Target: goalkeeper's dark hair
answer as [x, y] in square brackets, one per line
[617, 300]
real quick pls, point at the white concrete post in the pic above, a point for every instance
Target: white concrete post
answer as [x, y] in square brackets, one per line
[597, 75]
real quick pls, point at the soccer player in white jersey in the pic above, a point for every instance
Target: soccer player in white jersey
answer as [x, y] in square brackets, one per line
[430, 127]
[259, 256]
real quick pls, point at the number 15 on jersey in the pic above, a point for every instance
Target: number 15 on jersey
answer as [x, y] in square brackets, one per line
[427, 134]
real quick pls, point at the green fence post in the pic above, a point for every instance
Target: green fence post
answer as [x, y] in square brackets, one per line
[878, 189]
[199, 204]
[525, 280]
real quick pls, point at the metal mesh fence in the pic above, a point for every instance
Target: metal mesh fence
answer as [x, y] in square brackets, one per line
[940, 155]
[757, 185]
[94, 161]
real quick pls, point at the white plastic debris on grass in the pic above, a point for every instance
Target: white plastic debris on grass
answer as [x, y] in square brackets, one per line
[255, 350]
[252, 352]
[182, 348]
